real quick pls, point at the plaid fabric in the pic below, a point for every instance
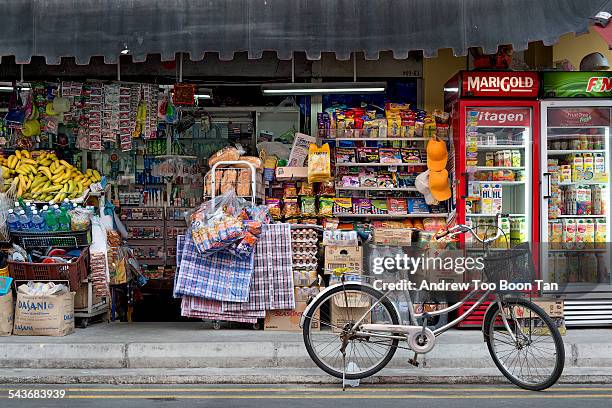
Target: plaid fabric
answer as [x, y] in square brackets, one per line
[272, 283]
[187, 311]
[220, 276]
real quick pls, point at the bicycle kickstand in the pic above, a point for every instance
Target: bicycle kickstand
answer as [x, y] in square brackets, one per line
[413, 360]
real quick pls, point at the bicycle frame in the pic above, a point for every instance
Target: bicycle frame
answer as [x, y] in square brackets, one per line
[360, 329]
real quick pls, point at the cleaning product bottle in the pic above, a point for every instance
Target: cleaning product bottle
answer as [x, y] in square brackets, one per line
[38, 224]
[24, 221]
[12, 220]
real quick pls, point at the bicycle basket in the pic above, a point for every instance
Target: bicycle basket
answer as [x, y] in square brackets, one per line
[512, 265]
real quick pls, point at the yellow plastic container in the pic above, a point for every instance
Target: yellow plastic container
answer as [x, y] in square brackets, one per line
[4, 271]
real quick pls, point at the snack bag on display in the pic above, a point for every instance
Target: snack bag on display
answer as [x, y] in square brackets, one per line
[218, 223]
[319, 163]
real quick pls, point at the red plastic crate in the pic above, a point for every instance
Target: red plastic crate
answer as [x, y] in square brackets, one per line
[75, 272]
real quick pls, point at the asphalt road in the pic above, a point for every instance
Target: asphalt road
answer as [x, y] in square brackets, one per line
[273, 396]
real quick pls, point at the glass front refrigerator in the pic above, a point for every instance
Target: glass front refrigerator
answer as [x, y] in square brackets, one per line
[576, 117]
[495, 121]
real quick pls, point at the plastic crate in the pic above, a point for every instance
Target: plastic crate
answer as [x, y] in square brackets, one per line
[74, 273]
[59, 239]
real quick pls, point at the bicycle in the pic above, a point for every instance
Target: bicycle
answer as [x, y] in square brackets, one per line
[523, 341]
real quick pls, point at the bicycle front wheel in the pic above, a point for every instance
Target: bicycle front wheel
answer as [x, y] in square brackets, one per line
[529, 351]
[327, 331]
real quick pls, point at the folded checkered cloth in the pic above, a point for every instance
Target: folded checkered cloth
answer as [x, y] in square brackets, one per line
[211, 309]
[272, 282]
[220, 276]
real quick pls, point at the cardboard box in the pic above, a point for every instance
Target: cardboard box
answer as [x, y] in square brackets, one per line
[392, 236]
[80, 297]
[350, 257]
[291, 173]
[44, 315]
[538, 328]
[287, 320]
[7, 313]
[305, 293]
[553, 307]
[358, 304]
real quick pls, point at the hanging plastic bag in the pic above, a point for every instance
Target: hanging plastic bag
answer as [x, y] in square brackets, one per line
[319, 163]
[218, 223]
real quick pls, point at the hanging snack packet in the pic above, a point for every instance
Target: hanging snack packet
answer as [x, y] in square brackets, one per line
[291, 208]
[343, 205]
[306, 189]
[309, 207]
[274, 206]
[327, 188]
[326, 206]
[290, 190]
[319, 163]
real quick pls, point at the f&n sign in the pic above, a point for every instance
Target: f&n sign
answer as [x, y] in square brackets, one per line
[500, 84]
[599, 84]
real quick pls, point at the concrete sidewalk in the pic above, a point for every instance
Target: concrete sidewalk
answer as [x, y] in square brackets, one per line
[184, 352]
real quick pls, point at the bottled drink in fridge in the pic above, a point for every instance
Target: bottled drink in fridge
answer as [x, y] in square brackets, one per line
[12, 221]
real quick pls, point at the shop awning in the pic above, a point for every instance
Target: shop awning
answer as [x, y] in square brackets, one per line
[87, 28]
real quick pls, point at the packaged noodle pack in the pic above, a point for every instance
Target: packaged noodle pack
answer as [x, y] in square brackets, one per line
[319, 163]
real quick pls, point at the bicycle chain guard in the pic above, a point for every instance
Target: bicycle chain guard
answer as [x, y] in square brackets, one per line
[421, 340]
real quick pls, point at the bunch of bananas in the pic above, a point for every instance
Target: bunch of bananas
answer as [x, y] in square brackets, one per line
[40, 176]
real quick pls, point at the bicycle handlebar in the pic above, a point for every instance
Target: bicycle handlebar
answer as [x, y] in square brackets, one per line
[462, 229]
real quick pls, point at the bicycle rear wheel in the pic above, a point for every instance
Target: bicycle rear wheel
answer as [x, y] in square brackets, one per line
[329, 321]
[535, 357]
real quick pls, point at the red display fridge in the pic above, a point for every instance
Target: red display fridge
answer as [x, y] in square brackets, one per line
[495, 134]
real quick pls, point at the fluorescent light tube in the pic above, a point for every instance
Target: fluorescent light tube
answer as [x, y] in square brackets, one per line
[316, 88]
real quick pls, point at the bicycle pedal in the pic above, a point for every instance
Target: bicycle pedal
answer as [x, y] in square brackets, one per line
[413, 361]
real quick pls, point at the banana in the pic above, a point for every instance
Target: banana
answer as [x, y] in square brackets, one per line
[18, 154]
[29, 161]
[65, 164]
[45, 170]
[56, 177]
[12, 161]
[58, 168]
[26, 154]
[28, 185]
[51, 189]
[97, 175]
[6, 172]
